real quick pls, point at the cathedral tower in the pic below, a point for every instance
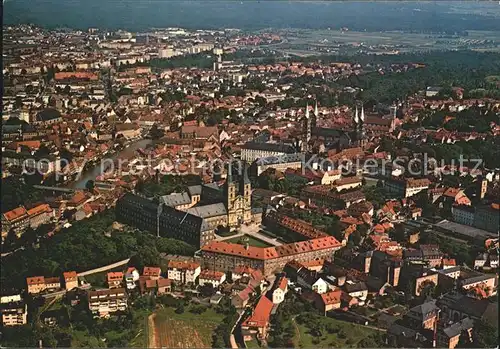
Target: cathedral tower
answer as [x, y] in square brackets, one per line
[229, 187]
[309, 126]
[359, 127]
[246, 187]
[238, 198]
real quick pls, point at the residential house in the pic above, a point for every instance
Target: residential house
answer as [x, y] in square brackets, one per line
[328, 301]
[104, 302]
[131, 278]
[216, 278]
[70, 280]
[357, 290]
[183, 272]
[115, 279]
[259, 322]
[310, 279]
[52, 284]
[240, 300]
[280, 290]
[241, 271]
[36, 284]
[152, 273]
[163, 286]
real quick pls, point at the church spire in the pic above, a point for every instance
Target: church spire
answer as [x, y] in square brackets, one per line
[316, 109]
[307, 110]
[229, 177]
[245, 178]
[356, 116]
[362, 118]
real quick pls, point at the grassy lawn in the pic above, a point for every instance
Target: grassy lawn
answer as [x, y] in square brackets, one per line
[227, 233]
[140, 339]
[250, 239]
[252, 344]
[186, 330]
[338, 334]
[365, 311]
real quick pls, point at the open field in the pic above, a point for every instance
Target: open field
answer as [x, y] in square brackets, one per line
[342, 334]
[250, 239]
[304, 42]
[187, 330]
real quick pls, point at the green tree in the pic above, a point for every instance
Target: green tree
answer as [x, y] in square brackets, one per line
[485, 335]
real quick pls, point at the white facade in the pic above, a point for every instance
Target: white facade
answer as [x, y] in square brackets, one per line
[184, 276]
[278, 296]
[320, 286]
[131, 279]
[216, 282]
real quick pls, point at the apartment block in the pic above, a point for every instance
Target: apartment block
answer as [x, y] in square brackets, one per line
[104, 302]
[14, 310]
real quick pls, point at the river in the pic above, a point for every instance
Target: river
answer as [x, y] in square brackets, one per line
[95, 171]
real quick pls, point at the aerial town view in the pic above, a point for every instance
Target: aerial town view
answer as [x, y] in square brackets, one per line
[250, 174]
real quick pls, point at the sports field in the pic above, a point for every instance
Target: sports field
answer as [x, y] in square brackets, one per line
[187, 330]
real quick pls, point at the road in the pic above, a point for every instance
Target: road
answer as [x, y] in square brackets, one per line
[104, 268]
[8, 253]
[63, 292]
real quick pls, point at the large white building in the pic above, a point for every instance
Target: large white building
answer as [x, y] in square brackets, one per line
[14, 310]
[216, 278]
[104, 302]
[183, 272]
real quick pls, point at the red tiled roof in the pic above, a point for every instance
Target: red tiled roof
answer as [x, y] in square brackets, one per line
[70, 275]
[151, 271]
[271, 252]
[163, 282]
[211, 274]
[76, 75]
[183, 265]
[113, 276]
[449, 262]
[150, 283]
[15, 213]
[332, 297]
[283, 283]
[35, 280]
[78, 197]
[261, 314]
[39, 209]
[52, 280]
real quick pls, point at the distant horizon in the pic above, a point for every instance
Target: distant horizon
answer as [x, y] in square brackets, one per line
[360, 15]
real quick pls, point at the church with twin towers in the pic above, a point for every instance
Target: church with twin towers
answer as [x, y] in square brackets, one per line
[332, 138]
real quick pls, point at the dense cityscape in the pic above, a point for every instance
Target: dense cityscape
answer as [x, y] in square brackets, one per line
[231, 188]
